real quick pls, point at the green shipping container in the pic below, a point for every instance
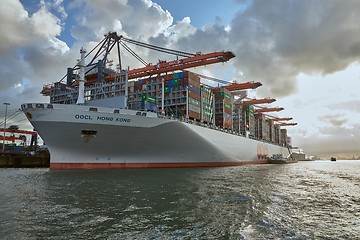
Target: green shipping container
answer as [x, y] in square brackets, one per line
[228, 106]
[148, 98]
[151, 99]
[249, 110]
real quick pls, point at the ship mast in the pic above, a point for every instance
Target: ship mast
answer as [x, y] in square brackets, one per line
[80, 100]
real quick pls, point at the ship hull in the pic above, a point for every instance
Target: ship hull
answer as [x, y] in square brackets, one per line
[81, 139]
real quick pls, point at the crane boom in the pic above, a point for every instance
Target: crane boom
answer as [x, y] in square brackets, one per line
[256, 101]
[282, 119]
[287, 124]
[243, 86]
[180, 64]
[261, 110]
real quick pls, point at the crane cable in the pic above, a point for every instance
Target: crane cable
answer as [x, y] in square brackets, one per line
[127, 48]
[157, 48]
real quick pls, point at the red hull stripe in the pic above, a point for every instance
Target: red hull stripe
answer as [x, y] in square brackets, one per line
[64, 166]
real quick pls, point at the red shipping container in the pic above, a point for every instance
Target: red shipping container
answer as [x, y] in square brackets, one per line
[194, 95]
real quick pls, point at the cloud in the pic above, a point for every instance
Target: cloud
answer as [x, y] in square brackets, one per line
[330, 145]
[13, 29]
[45, 24]
[334, 120]
[352, 106]
[29, 51]
[276, 40]
[139, 19]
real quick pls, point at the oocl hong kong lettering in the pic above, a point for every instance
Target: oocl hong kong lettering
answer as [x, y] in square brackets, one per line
[102, 118]
[81, 116]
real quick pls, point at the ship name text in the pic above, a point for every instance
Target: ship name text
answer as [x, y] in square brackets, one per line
[102, 118]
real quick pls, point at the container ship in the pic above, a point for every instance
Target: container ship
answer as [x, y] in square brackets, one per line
[156, 116]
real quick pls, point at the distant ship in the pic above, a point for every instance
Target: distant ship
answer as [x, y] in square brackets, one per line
[101, 120]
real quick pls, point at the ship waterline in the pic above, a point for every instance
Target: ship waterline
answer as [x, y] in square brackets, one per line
[85, 137]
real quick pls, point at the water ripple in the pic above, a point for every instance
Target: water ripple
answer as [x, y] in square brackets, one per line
[309, 200]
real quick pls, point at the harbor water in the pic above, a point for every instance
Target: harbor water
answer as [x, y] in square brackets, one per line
[306, 200]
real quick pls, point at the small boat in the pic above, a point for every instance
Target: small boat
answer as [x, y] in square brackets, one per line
[279, 159]
[333, 159]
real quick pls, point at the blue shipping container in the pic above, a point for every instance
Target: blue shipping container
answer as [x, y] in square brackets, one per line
[148, 106]
[194, 89]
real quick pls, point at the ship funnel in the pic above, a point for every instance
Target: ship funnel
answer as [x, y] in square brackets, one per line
[81, 65]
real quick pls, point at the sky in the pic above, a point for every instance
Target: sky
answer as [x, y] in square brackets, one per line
[305, 53]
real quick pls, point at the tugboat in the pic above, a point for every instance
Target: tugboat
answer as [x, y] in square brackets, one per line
[333, 159]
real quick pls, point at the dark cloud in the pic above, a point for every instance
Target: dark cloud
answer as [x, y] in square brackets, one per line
[277, 40]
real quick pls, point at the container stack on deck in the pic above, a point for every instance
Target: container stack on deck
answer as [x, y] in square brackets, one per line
[271, 130]
[244, 119]
[283, 137]
[192, 82]
[277, 133]
[262, 128]
[223, 107]
[207, 104]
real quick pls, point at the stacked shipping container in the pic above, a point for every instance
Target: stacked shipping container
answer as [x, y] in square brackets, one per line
[283, 137]
[277, 133]
[244, 119]
[207, 104]
[223, 107]
[262, 127]
[192, 82]
[184, 88]
[248, 112]
[271, 130]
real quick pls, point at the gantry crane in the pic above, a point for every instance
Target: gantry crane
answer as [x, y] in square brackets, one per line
[111, 40]
[13, 138]
[18, 131]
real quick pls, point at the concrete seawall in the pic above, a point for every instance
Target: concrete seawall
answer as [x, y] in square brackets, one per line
[24, 161]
